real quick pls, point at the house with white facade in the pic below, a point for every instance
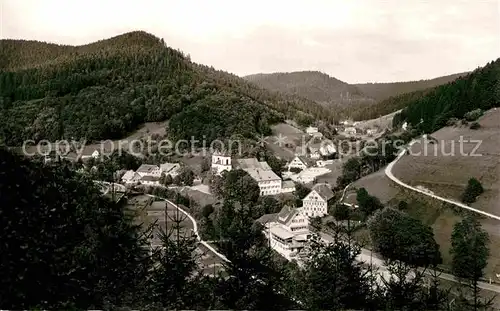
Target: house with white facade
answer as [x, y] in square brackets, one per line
[309, 175]
[287, 186]
[405, 126]
[131, 177]
[150, 181]
[314, 152]
[350, 131]
[95, 154]
[371, 132]
[149, 170]
[315, 204]
[269, 183]
[287, 231]
[312, 130]
[172, 169]
[220, 163]
[299, 162]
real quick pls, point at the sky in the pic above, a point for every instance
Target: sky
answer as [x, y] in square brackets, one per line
[352, 40]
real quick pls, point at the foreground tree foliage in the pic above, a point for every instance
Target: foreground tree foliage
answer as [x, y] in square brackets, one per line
[469, 248]
[64, 246]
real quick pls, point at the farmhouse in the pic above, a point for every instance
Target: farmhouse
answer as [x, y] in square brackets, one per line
[299, 162]
[312, 130]
[371, 132]
[172, 169]
[220, 163]
[308, 175]
[131, 177]
[405, 126]
[269, 183]
[315, 204]
[149, 170]
[287, 186]
[287, 231]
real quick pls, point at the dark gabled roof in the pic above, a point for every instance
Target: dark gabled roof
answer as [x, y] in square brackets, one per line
[286, 214]
[324, 191]
[305, 160]
[264, 219]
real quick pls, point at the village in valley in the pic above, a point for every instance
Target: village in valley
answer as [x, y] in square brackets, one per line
[309, 161]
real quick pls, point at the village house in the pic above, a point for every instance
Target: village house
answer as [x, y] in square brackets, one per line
[150, 181]
[269, 183]
[405, 126]
[309, 175]
[172, 169]
[287, 186]
[149, 170]
[314, 152]
[287, 231]
[312, 130]
[351, 131]
[371, 132]
[299, 162]
[131, 177]
[315, 204]
[220, 163]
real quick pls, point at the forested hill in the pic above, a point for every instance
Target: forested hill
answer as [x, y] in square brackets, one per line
[381, 91]
[313, 85]
[477, 90]
[108, 88]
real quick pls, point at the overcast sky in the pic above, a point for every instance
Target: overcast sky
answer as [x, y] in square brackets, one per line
[352, 40]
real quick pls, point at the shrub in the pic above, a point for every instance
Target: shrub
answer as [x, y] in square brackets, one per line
[472, 191]
[452, 122]
[473, 115]
[474, 126]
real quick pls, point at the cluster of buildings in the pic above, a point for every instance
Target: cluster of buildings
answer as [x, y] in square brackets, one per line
[148, 174]
[288, 231]
[269, 183]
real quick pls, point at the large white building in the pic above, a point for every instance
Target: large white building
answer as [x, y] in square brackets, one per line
[287, 231]
[221, 163]
[315, 204]
[149, 170]
[269, 183]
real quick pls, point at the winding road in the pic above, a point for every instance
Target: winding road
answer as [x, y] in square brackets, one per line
[388, 173]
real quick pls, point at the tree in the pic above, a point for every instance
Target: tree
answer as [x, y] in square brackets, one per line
[205, 165]
[472, 191]
[295, 170]
[255, 277]
[367, 203]
[168, 180]
[177, 180]
[217, 186]
[470, 252]
[397, 236]
[187, 176]
[332, 278]
[341, 212]
[351, 171]
[64, 246]
[240, 187]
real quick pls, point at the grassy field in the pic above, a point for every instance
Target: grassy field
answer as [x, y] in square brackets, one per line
[447, 176]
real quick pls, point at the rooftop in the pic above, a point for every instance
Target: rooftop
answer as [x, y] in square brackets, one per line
[169, 167]
[324, 191]
[248, 163]
[282, 233]
[262, 175]
[147, 168]
[150, 178]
